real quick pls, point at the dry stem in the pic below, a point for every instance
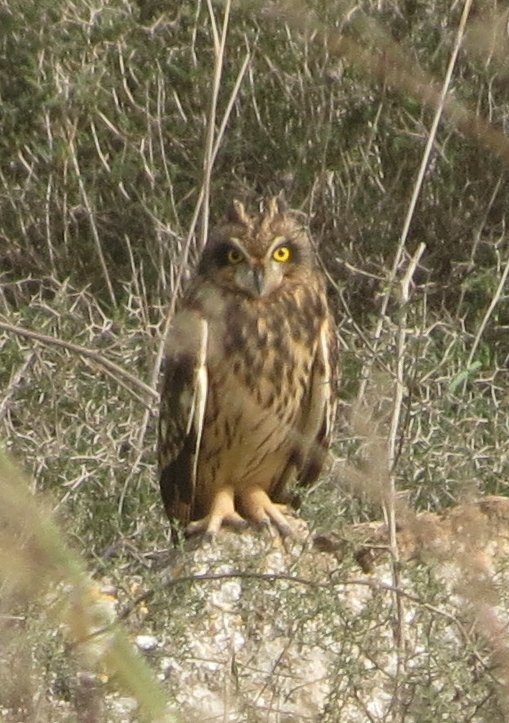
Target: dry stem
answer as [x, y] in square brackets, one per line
[113, 370]
[440, 106]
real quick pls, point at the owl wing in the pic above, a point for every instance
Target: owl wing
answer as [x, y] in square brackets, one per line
[319, 412]
[317, 418]
[182, 411]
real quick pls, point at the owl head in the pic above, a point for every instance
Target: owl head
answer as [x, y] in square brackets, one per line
[258, 254]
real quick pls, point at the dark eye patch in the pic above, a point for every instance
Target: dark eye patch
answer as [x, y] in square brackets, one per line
[215, 255]
[221, 254]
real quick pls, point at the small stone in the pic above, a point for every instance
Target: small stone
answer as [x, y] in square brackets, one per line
[146, 643]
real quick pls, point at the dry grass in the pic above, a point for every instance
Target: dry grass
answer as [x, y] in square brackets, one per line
[47, 598]
[124, 126]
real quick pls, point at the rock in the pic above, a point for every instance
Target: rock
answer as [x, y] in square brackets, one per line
[146, 643]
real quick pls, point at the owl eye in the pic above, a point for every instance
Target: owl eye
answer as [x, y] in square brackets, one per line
[234, 256]
[282, 254]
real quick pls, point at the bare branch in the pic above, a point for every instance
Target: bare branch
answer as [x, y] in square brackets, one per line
[113, 370]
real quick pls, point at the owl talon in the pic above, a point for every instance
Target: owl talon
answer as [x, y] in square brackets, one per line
[285, 530]
[222, 512]
[236, 521]
[264, 526]
[209, 526]
[271, 528]
[259, 508]
[208, 537]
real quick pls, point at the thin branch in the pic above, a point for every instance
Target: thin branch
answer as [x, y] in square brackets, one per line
[90, 215]
[440, 105]
[176, 290]
[14, 383]
[390, 492]
[401, 355]
[219, 49]
[489, 312]
[113, 370]
[229, 106]
[373, 584]
[477, 239]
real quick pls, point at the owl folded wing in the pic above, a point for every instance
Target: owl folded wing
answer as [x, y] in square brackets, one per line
[183, 401]
[315, 426]
[320, 410]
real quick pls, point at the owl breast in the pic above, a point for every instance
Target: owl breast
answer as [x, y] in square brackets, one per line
[259, 376]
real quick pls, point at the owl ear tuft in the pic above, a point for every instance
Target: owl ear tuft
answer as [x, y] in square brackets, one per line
[237, 213]
[275, 206]
[282, 205]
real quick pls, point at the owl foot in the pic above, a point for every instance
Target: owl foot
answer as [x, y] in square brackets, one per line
[222, 512]
[259, 508]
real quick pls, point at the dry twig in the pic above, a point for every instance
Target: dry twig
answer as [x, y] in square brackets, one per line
[113, 370]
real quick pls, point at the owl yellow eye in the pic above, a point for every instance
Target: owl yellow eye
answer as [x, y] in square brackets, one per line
[282, 254]
[234, 256]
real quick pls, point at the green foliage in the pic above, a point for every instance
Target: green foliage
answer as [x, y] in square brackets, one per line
[119, 93]
[104, 111]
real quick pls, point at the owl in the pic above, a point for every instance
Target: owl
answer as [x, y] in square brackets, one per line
[248, 390]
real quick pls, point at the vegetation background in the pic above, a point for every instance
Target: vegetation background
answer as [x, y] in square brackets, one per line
[123, 123]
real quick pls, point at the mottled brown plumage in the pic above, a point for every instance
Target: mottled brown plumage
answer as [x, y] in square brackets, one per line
[247, 400]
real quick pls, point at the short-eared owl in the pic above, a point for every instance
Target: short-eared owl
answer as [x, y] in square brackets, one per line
[247, 400]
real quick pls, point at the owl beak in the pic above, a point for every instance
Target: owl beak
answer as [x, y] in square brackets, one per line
[259, 280]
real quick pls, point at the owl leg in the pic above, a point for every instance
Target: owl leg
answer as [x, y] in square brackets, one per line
[259, 508]
[222, 512]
